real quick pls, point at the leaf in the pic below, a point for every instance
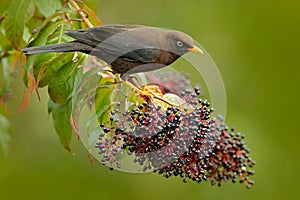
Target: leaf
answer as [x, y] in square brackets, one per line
[49, 20]
[4, 135]
[84, 92]
[47, 8]
[4, 5]
[59, 35]
[40, 40]
[34, 19]
[61, 120]
[5, 76]
[28, 65]
[92, 139]
[4, 43]
[31, 12]
[14, 22]
[62, 84]
[28, 91]
[46, 32]
[44, 73]
[3, 108]
[103, 98]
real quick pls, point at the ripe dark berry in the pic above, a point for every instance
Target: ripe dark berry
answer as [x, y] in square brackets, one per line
[106, 130]
[182, 141]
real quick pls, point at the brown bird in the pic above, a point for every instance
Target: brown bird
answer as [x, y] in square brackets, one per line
[127, 48]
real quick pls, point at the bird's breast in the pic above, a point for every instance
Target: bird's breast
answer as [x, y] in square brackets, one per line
[122, 65]
[166, 57]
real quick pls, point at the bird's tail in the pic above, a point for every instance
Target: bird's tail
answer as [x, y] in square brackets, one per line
[63, 47]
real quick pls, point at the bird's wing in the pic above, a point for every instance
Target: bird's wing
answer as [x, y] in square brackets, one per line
[139, 52]
[93, 36]
[117, 41]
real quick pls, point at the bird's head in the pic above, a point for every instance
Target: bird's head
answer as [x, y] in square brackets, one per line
[181, 43]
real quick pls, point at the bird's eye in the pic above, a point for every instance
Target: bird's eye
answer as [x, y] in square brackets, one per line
[179, 43]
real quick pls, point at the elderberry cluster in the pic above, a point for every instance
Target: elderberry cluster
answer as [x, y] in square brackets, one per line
[182, 140]
[228, 160]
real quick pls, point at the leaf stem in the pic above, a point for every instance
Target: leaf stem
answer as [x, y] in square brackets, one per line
[81, 13]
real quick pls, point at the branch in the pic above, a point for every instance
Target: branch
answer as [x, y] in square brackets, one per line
[82, 14]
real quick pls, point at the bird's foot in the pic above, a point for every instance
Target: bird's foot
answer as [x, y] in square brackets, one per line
[149, 92]
[135, 81]
[154, 92]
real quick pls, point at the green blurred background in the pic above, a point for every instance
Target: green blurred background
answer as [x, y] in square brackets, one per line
[257, 49]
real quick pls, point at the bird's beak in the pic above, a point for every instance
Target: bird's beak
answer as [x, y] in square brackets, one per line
[196, 50]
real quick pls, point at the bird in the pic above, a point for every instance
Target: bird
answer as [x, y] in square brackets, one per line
[128, 49]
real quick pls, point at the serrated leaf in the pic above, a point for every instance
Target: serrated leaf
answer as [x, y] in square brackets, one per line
[45, 72]
[48, 7]
[14, 22]
[4, 135]
[62, 84]
[61, 120]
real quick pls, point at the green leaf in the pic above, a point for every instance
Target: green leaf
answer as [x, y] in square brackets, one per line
[5, 76]
[62, 84]
[48, 7]
[59, 35]
[4, 135]
[92, 139]
[28, 65]
[61, 120]
[4, 5]
[103, 98]
[46, 32]
[4, 45]
[50, 20]
[31, 12]
[48, 69]
[40, 40]
[14, 22]
[34, 19]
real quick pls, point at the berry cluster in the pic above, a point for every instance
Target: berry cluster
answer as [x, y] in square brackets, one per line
[181, 140]
[228, 159]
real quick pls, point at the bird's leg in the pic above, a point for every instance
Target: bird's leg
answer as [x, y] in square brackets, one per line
[109, 71]
[114, 74]
[133, 86]
[156, 93]
[135, 81]
[148, 92]
[145, 91]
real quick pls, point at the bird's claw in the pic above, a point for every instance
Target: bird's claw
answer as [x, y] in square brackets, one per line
[149, 92]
